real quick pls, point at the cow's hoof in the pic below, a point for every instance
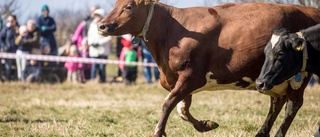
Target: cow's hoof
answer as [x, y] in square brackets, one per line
[263, 135]
[207, 125]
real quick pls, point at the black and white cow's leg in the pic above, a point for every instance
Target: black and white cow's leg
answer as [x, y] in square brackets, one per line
[295, 101]
[183, 110]
[276, 105]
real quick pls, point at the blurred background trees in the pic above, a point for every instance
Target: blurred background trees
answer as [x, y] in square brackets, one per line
[307, 3]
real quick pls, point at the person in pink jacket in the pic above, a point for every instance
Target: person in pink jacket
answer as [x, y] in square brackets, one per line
[72, 67]
[77, 36]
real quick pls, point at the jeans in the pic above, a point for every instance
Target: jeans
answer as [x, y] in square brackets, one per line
[147, 58]
[101, 68]
[21, 63]
[7, 66]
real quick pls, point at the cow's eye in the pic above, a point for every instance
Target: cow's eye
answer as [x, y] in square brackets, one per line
[280, 55]
[129, 7]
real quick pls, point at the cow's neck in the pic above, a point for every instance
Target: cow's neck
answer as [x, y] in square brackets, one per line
[158, 30]
[313, 62]
[313, 45]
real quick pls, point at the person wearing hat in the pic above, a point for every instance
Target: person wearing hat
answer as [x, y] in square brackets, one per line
[99, 46]
[47, 27]
[88, 20]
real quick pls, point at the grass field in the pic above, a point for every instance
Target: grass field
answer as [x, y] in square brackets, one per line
[133, 111]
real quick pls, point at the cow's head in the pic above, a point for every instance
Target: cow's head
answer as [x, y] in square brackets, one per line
[283, 59]
[128, 16]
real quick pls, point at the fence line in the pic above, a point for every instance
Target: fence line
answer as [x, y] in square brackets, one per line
[73, 59]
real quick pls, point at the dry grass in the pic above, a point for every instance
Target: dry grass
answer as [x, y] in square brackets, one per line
[131, 111]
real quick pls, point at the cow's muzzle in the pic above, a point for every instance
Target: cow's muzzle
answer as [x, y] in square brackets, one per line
[106, 29]
[263, 86]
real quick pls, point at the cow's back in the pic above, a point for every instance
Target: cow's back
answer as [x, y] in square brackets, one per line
[246, 29]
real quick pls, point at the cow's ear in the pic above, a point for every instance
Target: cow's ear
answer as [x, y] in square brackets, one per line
[298, 44]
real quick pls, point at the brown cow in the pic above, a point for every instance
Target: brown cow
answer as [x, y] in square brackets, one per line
[210, 48]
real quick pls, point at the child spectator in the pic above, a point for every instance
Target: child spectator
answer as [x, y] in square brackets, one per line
[84, 53]
[32, 72]
[45, 49]
[130, 71]
[128, 55]
[72, 67]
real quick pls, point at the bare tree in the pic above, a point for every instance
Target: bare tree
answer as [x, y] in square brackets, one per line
[66, 25]
[8, 7]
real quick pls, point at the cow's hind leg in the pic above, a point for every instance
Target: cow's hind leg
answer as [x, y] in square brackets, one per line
[276, 105]
[295, 101]
[183, 110]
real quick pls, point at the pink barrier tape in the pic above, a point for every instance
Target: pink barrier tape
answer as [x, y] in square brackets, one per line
[73, 59]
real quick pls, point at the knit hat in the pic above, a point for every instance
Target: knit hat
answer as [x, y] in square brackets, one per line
[45, 7]
[99, 12]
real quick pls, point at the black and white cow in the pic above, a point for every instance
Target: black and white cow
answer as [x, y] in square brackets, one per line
[288, 54]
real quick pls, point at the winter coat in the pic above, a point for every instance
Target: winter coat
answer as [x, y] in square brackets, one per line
[78, 36]
[7, 39]
[33, 38]
[47, 33]
[99, 45]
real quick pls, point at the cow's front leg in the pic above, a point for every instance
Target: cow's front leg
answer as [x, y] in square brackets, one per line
[182, 88]
[276, 105]
[183, 110]
[170, 102]
[295, 101]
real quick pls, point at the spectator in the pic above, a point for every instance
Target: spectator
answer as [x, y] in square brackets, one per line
[147, 58]
[118, 52]
[130, 71]
[23, 49]
[33, 37]
[84, 53]
[72, 67]
[77, 35]
[47, 27]
[32, 72]
[1, 23]
[126, 43]
[7, 42]
[45, 49]
[99, 46]
[89, 20]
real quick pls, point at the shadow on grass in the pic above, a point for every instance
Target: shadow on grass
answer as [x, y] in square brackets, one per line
[16, 120]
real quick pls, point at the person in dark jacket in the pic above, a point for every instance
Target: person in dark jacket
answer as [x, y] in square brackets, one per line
[32, 72]
[47, 27]
[33, 36]
[7, 42]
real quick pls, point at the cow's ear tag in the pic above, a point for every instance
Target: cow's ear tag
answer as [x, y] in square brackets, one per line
[299, 48]
[298, 78]
[135, 40]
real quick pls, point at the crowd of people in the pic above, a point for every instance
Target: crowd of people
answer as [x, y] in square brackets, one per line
[37, 37]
